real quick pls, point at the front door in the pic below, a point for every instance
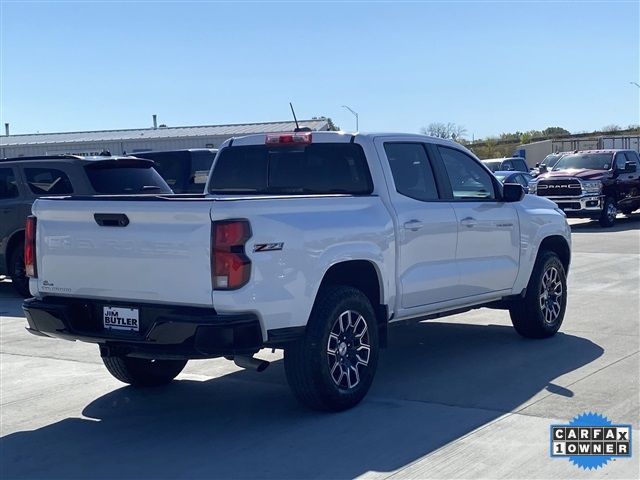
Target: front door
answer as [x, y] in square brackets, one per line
[488, 253]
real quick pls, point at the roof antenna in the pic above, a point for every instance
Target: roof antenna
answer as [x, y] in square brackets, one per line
[298, 128]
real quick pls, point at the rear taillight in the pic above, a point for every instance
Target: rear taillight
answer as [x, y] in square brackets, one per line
[230, 266]
[30, 247]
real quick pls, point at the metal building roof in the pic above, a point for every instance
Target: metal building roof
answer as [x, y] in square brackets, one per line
[160, 132]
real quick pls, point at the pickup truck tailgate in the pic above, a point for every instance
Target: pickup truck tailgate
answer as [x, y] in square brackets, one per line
[162, 255]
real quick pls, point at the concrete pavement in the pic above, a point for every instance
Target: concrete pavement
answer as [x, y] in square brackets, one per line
[464, 397]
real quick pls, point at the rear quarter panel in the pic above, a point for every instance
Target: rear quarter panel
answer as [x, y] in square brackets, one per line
[317, 233]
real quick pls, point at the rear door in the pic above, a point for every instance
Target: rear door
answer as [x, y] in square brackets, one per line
[427, 226]
[488, 249]
[13, 211]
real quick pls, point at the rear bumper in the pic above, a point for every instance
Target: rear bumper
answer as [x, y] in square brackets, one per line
[165, 331]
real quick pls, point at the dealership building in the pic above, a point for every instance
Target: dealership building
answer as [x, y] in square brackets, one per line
[120, 142]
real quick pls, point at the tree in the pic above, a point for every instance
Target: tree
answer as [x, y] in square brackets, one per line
[444, 130]
[611, 128]
[555, 132]
[332, 126]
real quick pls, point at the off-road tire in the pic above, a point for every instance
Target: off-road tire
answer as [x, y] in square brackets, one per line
[528, 315]
[309, 364]
[141, 372]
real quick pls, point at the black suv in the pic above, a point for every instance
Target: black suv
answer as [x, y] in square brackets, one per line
[24, 179]
[593, 184]
[186, 171]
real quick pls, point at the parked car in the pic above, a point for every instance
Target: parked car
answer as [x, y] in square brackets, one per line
[24, 179]
[506, 164]
[312, 242]
[547, 164]
[186, 171]
[521, 178]
[593, 184]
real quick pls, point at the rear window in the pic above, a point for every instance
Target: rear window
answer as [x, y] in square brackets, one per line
[184, 171]
[114, 180]
[320, 168]
[493, 166]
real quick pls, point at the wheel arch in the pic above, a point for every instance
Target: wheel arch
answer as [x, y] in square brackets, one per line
[14, 241]
[559, 245]
[366, 277]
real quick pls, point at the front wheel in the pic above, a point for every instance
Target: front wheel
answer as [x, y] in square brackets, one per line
[541, 312]
[609, 212]
[142, 372]
[332, 367]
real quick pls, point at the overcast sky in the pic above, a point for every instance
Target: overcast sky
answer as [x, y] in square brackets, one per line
[489, 66]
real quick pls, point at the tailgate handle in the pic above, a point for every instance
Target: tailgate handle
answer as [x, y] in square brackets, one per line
[111, 219]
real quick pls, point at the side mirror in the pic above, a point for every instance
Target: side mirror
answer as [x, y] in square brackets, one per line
[543, 168]
[512, 192]
[537, 164]
[630, 167]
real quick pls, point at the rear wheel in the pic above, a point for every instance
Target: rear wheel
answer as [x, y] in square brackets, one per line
[142, 372]
[609, 212]
[18, 273]
[541, 312]
[332, 367]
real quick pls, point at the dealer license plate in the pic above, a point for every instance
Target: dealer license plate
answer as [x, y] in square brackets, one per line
[119, 318]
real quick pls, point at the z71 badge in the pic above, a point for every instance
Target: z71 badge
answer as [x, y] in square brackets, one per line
[268, 247]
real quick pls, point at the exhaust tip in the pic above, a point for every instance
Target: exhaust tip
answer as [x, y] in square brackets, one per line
[251, 363]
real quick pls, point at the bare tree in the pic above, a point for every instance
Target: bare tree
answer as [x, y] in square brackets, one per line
[444, 130]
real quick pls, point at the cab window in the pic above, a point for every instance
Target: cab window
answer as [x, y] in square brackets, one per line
[469, 181]
[411, 170]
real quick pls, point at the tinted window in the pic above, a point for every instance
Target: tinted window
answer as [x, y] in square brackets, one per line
[507, 165]
[520, 165]
[493, 166]
[633, 157]
[48, 181]
[412, 173]
[8, 184]
[315, 168]
[126, 180]
[201, 162]
[468, 179]
[172, 166]
[591, 161]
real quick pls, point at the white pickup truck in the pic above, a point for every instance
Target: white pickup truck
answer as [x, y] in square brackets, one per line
[312, 242]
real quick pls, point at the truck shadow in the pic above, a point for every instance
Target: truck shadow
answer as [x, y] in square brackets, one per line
[10, 301]
[436, 383]
[623, 223]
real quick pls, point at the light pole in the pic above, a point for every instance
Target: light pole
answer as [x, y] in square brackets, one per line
[355, 115]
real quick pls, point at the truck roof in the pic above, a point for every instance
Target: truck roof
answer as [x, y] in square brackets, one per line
[338, 137]
[610, 150]
[71, 159]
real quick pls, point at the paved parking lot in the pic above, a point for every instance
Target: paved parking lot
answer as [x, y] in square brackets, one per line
[464, 397]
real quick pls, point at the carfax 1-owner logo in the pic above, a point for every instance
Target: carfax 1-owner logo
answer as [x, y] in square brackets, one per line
[590, 441]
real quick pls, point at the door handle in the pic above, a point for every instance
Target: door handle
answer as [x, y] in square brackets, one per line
[111, 219]
[413, 225]
[469, 222]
